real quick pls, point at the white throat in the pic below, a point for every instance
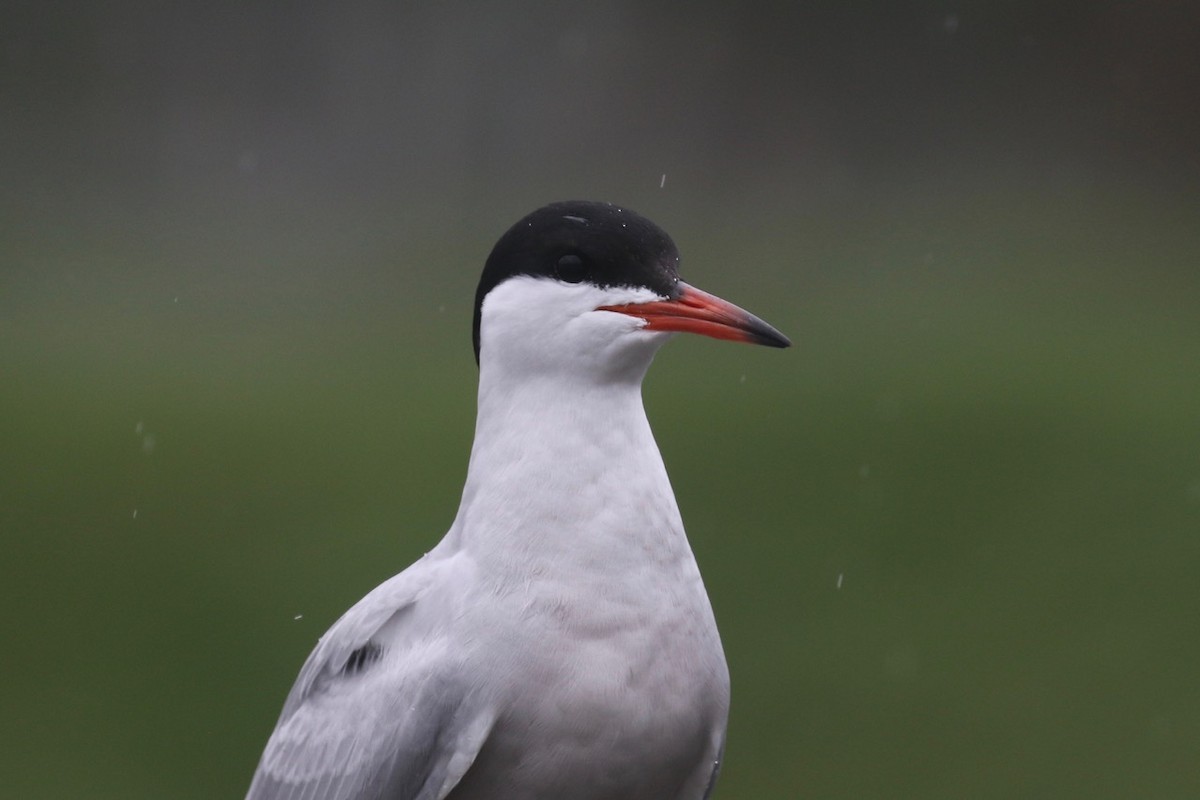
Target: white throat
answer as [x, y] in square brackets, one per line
[564, 469]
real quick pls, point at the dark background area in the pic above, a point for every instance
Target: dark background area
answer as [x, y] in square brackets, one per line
[951, 537]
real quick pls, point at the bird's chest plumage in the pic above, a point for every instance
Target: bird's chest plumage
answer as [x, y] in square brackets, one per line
[589, 615]
[627, 695]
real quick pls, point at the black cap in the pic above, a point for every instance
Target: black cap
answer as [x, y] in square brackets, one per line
[580, 241]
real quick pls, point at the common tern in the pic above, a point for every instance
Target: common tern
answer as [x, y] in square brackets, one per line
[558, 643]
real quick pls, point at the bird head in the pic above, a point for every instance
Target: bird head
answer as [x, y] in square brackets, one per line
[594, 289]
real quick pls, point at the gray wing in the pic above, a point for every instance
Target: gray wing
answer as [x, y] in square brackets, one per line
[379, 711]
[716, 769]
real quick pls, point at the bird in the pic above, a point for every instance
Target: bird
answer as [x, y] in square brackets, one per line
[558, 642]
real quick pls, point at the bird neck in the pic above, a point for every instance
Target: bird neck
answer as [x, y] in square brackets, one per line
[565, 472]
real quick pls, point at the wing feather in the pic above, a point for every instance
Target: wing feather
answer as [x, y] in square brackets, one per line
[401, 724]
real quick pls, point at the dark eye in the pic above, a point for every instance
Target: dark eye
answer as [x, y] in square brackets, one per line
[571, 269]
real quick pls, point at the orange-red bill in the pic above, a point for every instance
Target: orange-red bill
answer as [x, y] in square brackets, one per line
[694, 311]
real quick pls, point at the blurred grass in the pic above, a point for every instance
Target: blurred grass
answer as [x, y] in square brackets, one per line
[951, 537]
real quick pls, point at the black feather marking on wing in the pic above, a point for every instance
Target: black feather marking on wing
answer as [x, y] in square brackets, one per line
[362, 658]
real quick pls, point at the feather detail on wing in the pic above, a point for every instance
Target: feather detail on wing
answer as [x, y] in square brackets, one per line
[378, 710]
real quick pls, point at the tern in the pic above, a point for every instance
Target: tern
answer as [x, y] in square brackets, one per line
[558, 643]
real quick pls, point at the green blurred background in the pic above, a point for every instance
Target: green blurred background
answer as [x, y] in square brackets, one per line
[952, 536]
